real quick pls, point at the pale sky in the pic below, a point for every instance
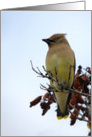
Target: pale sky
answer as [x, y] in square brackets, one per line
[21, 41]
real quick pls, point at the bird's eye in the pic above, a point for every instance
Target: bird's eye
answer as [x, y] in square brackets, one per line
[55, 40]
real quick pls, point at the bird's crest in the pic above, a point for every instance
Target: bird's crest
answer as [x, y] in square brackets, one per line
[57, 35]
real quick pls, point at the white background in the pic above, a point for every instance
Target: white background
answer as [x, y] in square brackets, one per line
[17, 117]
[21, 40]
[20, 3]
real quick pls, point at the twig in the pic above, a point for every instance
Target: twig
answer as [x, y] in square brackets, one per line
[53, 89]
[83, 94]
[87, 71]
[49, 76]
[80, 118]
[69, 90]
[74, 108]
[33, 67]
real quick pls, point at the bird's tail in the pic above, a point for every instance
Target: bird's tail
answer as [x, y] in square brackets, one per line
[61, 115]
[62, 99]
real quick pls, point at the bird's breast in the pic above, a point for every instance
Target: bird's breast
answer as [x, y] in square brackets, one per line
[60, 60]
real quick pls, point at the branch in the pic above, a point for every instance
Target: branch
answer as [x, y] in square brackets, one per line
[75, 91]
[79, 118]
[82, 117]
[49, 76]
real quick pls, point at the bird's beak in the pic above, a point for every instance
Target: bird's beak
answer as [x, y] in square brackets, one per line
[47, 41]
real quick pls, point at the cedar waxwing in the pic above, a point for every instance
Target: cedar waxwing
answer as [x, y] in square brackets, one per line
[60, 56]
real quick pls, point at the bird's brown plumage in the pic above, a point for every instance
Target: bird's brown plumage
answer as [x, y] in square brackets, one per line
[60, 57]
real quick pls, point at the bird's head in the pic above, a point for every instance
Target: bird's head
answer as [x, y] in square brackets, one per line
[55, 39]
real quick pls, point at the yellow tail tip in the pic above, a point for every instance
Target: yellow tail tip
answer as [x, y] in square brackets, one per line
[66, 116]
[59, 117]
[89, 126]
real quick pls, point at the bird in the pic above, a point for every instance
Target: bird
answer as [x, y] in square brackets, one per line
[60, 58]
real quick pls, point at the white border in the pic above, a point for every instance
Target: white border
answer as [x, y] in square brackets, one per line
[4, 4]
